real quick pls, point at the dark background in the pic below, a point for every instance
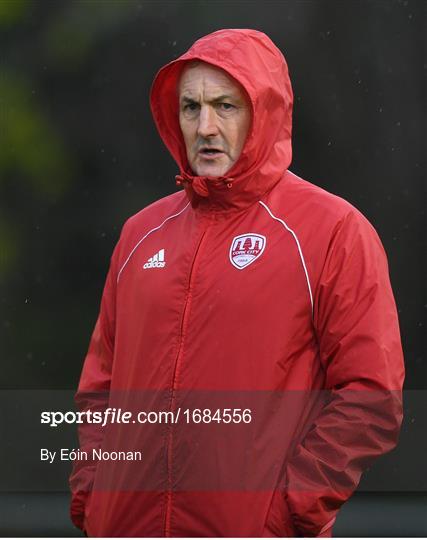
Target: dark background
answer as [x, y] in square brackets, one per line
[79, 154]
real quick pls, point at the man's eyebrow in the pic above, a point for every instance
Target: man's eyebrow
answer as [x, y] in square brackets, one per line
[187, 99]
[223, 97]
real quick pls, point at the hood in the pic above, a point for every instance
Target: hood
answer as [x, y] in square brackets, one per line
[256, 63]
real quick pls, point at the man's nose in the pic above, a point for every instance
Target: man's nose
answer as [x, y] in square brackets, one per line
[207, 122]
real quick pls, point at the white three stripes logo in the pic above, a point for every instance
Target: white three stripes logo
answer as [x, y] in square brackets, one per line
[156, 261]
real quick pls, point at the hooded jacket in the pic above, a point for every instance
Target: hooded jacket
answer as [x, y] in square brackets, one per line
[257, 307]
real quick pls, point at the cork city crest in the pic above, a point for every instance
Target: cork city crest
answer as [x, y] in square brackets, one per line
[246, 248]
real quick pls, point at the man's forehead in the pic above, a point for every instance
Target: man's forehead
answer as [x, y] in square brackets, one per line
[199, 75]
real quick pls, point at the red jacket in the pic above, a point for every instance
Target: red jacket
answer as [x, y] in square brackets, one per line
[256, 292]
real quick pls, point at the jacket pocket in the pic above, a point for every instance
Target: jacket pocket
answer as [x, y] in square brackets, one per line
[278, 522]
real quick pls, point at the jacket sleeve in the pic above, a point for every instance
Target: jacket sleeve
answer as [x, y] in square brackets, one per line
[93, 395]
[360, 349]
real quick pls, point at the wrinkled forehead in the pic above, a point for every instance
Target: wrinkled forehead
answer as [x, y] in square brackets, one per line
[198, 75]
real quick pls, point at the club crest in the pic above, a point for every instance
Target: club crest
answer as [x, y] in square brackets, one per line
[246, 248]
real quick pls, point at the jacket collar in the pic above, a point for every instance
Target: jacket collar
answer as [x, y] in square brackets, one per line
[223, 193]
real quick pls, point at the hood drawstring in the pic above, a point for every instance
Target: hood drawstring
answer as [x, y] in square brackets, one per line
[182, 179]
[199, 183]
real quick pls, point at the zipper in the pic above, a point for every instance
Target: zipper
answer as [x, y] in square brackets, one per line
[184, 321]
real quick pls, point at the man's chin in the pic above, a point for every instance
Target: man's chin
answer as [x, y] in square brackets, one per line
[213, 170]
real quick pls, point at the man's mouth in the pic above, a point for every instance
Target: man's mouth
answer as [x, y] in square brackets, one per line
[210, 152]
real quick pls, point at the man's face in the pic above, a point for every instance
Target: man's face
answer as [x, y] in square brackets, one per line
[214, 115]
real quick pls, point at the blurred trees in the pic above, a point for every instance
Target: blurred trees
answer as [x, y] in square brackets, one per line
[79, 152]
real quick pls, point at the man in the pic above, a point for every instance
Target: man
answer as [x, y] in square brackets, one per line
[252, 303]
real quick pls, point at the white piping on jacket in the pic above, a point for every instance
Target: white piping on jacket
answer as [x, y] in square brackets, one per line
[299, 250]
[293, 174]
[328, 525]
[145, 236]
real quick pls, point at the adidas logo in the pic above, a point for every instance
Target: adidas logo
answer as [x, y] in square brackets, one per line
[156, 261]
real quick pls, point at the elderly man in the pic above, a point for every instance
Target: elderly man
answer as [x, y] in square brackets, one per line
[254, 308]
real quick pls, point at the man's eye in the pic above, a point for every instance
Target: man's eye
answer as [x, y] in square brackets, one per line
[191, 107]
[226, 106]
